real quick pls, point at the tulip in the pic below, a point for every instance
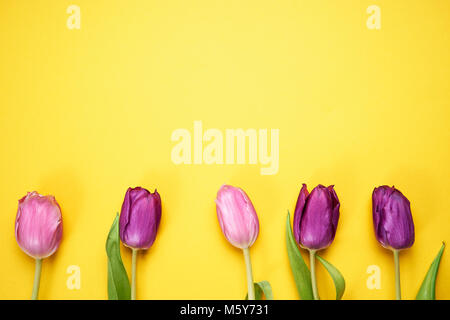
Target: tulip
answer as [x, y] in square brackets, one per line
[138, 224]
[393, 224]
[315, 222]
[139, 218]
[237, 217]
[392, 219]
[239, 223]
[38, 230]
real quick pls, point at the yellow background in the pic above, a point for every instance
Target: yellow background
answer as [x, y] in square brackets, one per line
[86, 113]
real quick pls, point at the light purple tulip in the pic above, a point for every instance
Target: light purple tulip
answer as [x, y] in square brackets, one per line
[139, 218]
[392, 218]
[237, 216]
[316, 217]
[38, 226]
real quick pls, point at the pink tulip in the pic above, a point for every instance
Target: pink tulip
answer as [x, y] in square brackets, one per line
[38, 225]
[237, 216]
[240, 225]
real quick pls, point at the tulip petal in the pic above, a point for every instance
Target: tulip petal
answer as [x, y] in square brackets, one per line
[399, 221]
[158, 208]
[125, 213]
[336, 205]
[300, 271]
[300, 205]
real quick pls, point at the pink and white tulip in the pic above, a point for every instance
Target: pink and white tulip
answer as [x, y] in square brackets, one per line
[237, 216]
[38, 226]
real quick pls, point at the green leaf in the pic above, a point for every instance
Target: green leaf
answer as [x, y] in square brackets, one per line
[427, 290]
[338, 279]
[118, 283]
[262, 289]
[301, 273]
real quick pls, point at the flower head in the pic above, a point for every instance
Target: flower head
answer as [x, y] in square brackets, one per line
[237, 216]
[38, 226]
[392, 218]
[316, 217]
[139, 218]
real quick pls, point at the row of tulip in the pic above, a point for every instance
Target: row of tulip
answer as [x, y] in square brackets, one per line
[38, 231]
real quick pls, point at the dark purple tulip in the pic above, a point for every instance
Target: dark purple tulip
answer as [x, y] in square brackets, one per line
[316, 217]
[392, 219]
[139, 218]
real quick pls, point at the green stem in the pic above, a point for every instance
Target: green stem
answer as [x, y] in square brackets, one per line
[37, 279]
[398, 292]
[248, 268]
[312, 265]
[133, 273]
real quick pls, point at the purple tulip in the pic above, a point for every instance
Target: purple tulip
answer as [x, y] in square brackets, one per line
[237, 216]
[139, 218]
[316, 217]
[38, 225]
[392, 219]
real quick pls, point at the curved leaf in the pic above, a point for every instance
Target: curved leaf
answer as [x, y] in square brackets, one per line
[118, 283]
[300, 271]
[338, 279]
[427, 290]
[262, 289]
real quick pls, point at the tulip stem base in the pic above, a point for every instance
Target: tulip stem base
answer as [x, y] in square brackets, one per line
[398, 291]
[312, 265]
[248, 268]
[133, 273]
[37, 279]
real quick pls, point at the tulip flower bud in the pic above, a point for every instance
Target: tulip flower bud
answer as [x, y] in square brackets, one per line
[237, 216]
[38, 225]
[139, 218]
[392, 219]
[316, 217]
